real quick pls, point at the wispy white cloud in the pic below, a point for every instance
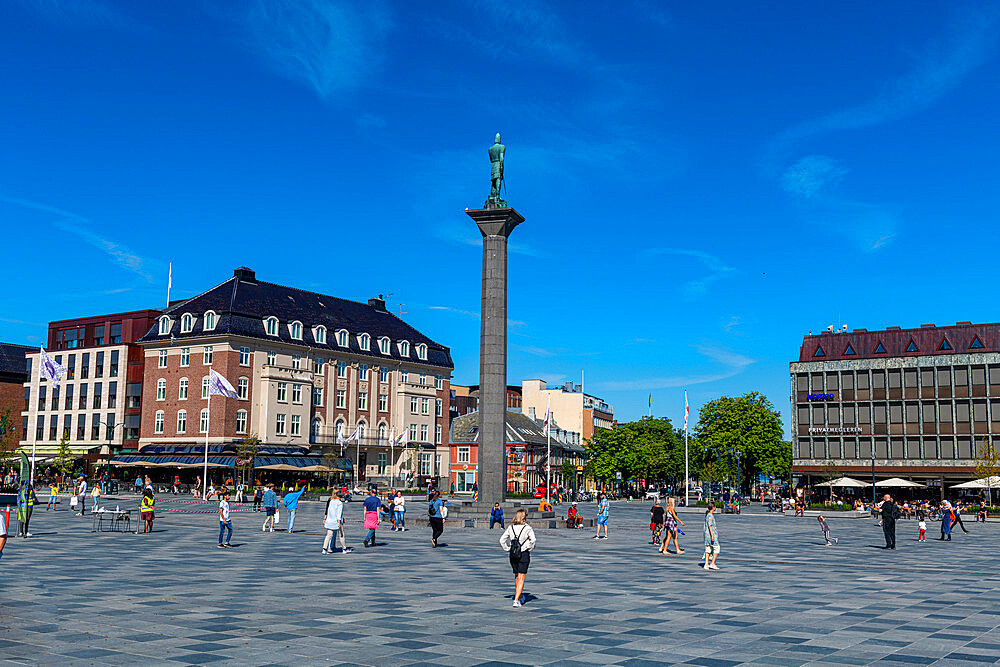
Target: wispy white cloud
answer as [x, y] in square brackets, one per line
[539, 351]
[732, 364]
[330, 45]
[11, 321]
[811, 174]
[695, 288]
[968, 42]
[78, 225]
[731, 325]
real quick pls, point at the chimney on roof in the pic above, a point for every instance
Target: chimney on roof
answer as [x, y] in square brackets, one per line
[245, 273]
[892, 328]
[378, 303]
[926, 326]
[963, 324]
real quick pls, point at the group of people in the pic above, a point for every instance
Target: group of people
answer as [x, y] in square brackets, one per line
[666, 526]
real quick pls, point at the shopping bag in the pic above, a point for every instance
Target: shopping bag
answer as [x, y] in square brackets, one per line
[73, 501]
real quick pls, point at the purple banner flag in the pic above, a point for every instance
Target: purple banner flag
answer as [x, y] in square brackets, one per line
[219, 386]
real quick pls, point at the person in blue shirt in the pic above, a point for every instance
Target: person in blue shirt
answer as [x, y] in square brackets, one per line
[496, 516]
[372, 506]
[603, 511]
[291, 501]
[270, 502]
[436, 516]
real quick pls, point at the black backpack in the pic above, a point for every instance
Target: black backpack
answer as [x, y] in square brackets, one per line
[515, 547]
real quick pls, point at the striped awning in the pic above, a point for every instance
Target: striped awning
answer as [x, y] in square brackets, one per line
[303, 463]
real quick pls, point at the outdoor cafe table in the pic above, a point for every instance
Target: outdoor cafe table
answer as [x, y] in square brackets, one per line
[117, 519]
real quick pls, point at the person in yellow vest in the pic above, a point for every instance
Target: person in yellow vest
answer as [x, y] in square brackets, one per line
[146, 510]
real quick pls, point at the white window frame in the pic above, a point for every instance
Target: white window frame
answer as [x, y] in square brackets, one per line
[203, 421]
[423, 379]
[341, 369]
[413, 405]
[297, 361]
[341, 399]
[207, 355]
[437, 434]
[187, 322]
[272, 357]
[365, 342]
[384, 344]
[182, 420]
[158, 419]
[271, 325]
[296, 425]
[296, 393]
[243, 388]
[204, 389]
[182, 389]
[423, 433]
[382, 431]
[317, 399]
[362, 428]
[282, 392]
[421, 351]
[161, 389]
[383, 374]
[279, 424]
[438, 407]
[185, 357]
[362, 400]
[404, 348]
[161, 359]
[319, 335]
[295, 330]
[462, 455]
[241, 421]
[209, 320]
[438, 382]
[383, 402]
[165, 325]
[343, 338]
[245, 356]
[425, 406]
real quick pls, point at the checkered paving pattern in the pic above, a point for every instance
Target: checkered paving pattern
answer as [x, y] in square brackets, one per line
[782, 597]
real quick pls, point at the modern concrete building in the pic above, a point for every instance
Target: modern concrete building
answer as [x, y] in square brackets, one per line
[305, 367]
[97, 405]
[919, 401]
[574, 410]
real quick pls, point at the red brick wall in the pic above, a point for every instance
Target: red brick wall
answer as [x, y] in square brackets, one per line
[12, 397]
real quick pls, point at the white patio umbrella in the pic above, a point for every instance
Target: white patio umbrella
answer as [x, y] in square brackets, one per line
[848, 482]
[897, 482]
[984, 483]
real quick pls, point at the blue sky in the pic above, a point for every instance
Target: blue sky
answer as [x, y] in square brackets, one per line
[702, 184]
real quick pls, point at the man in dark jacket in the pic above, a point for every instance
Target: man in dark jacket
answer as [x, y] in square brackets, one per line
[889, 515]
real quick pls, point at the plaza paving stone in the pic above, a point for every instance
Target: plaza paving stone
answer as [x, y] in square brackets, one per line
[70, 596]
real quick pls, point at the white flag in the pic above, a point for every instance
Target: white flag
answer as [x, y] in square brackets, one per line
[356, 436]
[170, 276]
[401, 438]
[340, 434]
[219, 386]
[685, 410]
[49, 369]
[548, 413]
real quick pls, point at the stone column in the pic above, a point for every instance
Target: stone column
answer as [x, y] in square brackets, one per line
[495, 224]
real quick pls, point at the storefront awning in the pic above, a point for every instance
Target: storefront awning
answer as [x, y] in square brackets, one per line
[297, 463]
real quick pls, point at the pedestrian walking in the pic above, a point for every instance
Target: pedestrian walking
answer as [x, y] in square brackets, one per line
[957, 517]
[146, 510]
[3, 534]
[291, 502]
[399, 511]
[258, 494]
[671, 526]
[138, 485]
[656, 521]
[81, 489]
[436, 511]
[372, 505]
[270, 502]
[945, 522]
[333, 521]
[239, 493]
[603, 512]
[711, 538]
[922, 528]
[890, 512]
[225, 524]
[175, 488]
[518, 541]
[496, 515]
[826, 531]
[95, 494]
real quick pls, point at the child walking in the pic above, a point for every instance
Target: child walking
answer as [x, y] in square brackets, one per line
[518, 541]
[711, 538]
[922, 525]
[826, 531]
[224, 522]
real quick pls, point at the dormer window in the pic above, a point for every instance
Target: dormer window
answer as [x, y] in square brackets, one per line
[404, 348]
[319, 333]
[383, 345]
[342, 337]
[365, 342]
[271, 326]
[295, 330]
[187, 322]
[165, 325]
[421, 351]
[210, 320]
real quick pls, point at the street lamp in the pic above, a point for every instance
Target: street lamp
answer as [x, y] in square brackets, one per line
[873, 477]
[110, 430]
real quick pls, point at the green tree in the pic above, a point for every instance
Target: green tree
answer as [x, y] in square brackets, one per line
[988, 466]
[747, 426]
[64, 457]
[8, 435]
[649, 448]
[246, 452]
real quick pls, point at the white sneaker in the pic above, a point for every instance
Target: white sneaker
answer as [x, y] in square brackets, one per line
[325, 552]
[272, 529]
[517, 603]
[263, 528]
[713, 566]
[705, 566]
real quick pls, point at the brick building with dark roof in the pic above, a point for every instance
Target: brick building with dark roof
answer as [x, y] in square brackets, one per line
[920, 402]
[13, 375]
[305, 367]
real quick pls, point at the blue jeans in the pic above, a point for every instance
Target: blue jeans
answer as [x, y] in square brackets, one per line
[371, 536]
[291, 519]
[494, 520]
[223, 526]
[399, 519]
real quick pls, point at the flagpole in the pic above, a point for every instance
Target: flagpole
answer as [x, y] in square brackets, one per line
[170, 280]
[204, 479]
[548, 464]
[687, 481]
[34, 427]
[392, 458]
[358, 453]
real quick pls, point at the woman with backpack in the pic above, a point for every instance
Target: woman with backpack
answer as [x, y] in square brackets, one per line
[436, 513]
[518, 541]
